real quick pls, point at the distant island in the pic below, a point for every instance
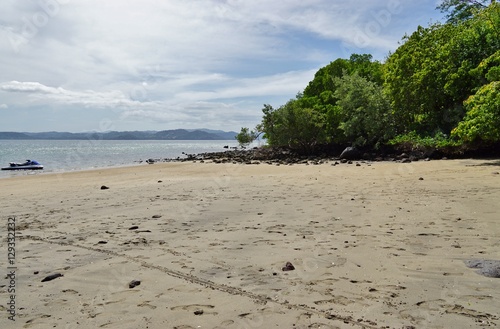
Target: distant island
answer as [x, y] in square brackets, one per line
[175, 134]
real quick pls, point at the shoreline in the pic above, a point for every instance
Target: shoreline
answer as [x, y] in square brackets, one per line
[375, 245]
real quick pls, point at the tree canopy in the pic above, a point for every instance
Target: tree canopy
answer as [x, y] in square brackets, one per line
[441, 84]
[460, 10]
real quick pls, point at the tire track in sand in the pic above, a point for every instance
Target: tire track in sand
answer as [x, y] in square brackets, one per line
[262, 299]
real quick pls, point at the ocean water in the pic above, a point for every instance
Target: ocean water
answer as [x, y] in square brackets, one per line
[70, 155]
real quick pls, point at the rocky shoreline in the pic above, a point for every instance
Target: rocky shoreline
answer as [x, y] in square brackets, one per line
[282, 156]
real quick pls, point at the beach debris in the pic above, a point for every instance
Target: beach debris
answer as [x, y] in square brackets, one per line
[134, 283]
[156, 216]
[52, 277]
[160, 181]
[102, 242]
[488, 268]
[288, 267]
[135, 227]
[421, 178]
[104, 187]
[198, 312]
[496, 173]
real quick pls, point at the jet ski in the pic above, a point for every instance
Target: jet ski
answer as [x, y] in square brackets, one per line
[27, 165]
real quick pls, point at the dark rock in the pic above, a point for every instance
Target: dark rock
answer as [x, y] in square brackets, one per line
[52, 277]
[488, 268]
[104, 187]
[156, 216]
[350, 153]
[421, 178]
[102, 242]
[36, 272]
[405, 160]
[135, 227]
[150, 161]
[198, 312]
[160, 181]
[134, 283]
[288, 267]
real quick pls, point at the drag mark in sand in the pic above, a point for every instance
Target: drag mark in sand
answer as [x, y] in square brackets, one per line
[262, 299]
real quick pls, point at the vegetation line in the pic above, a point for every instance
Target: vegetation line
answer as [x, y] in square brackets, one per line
[440, 90]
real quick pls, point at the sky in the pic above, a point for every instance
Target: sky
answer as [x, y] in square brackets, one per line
[101, 65]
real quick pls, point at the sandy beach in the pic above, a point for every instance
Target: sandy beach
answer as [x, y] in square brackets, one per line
[373, 245]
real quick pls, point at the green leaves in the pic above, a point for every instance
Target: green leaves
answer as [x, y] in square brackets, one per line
[443, 79]
[460, 10]
[482, 121]
[364, 111]
[246, 137]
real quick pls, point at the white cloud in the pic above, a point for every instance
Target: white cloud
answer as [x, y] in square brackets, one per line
[139, 97]
[160, 60]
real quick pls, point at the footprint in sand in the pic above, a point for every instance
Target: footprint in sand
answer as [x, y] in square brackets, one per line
[195, 308]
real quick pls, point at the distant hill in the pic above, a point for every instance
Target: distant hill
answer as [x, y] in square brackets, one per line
[175, 134]
[13, 135]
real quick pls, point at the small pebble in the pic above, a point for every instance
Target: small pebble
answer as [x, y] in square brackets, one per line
[134, 283]
[288, 267]
[104, 187]
[52, 277]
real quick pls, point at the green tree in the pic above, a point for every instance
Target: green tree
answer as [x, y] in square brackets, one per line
[246, 136]
[434, 71]
[364, 111]
[415, 76]
[460, 10]
[323, 81]
[294, 126]
[482, 122]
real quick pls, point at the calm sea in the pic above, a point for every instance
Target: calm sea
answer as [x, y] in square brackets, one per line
[69, 155]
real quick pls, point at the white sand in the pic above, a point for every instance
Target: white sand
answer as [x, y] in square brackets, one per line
[373, 246]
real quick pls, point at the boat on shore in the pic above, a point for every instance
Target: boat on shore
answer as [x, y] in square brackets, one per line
[27, 165]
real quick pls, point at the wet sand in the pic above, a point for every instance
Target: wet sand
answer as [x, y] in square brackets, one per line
[374, 245]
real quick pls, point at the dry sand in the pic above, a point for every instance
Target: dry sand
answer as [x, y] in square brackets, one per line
[379, 245]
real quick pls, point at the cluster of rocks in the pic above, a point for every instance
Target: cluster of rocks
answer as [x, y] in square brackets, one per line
[283, 156]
